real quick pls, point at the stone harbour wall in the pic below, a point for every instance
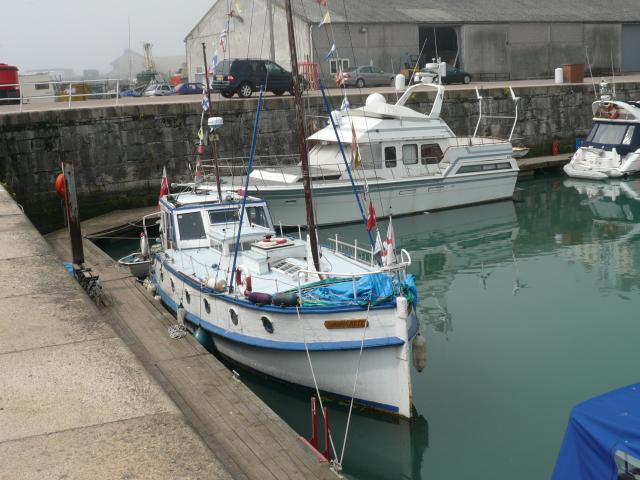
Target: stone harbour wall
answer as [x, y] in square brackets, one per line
[119, 151]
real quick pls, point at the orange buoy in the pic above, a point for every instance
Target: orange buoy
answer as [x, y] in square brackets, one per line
[59, 185]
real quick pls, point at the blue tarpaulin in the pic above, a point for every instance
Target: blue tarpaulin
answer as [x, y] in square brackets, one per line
[597, 429]
[376, 288]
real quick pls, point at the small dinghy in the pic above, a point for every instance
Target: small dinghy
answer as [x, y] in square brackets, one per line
[138, 262]
[520, 151]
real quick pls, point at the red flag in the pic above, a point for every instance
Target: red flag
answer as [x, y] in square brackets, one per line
[164, 185]
[322, 3]
[371, 217]
[339, 78]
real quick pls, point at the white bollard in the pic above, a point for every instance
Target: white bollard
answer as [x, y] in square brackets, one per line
[558, 76]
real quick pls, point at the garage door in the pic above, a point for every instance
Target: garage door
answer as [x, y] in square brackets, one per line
[630, 50]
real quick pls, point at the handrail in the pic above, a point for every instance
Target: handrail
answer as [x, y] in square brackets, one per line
[70, 84]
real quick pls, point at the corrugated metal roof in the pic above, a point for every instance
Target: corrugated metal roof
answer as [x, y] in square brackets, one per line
[471, 11]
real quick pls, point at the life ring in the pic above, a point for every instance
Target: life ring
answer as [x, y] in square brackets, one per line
[612, 112]
[243, 280]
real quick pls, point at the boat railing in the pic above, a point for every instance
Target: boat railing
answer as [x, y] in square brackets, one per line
[353, 251]
[397, 268]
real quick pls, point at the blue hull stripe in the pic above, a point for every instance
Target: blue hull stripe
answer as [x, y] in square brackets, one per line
[279, 345]
[193, 283]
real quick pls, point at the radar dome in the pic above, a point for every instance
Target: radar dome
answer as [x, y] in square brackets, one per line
[375, 98]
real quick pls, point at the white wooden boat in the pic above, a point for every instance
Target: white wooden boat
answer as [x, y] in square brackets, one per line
[612, 148]
[273, 310]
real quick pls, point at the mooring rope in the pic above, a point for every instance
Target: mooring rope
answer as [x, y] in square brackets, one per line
[337, 464]
[315, 382]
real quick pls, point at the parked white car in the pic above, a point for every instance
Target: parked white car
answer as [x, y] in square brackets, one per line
[158, 89]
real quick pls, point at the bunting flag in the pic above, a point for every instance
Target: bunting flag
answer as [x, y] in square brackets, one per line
[221, 44]
[356, 162]
[236, 4]
[326, 19]
[389, 247]
[345, 104]
[164, 185]
[371, 220]
[378, 248]
[331, 52]
[322, 3]
[205, 102]
[339, 78]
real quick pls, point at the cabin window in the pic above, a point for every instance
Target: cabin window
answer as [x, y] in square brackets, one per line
[257, 216]
[190, 226]
[609, 134]
[629, 135]
[224, 216]
[470, 169]
[410, 154]
[485, 167]
[430, 154]
[390, 157]
[371, 155]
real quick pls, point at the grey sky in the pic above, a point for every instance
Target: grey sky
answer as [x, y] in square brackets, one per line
[83, 34]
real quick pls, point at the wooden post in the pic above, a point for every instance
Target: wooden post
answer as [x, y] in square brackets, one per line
[325, 453]
[72, 213]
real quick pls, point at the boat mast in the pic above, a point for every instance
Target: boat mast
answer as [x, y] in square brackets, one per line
[214, 152]
[302, 146]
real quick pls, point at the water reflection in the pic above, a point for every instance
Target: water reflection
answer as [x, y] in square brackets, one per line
[610, 244]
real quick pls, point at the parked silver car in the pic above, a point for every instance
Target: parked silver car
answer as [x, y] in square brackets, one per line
[158, 89]
[367, 76]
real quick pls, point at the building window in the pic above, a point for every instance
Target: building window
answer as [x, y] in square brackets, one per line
[42, 86]
[410, 154]
[390, 157]
[338, 63]
[430, 154]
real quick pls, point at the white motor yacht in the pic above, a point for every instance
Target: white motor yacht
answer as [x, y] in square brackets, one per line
[612, 148]
[407, 161]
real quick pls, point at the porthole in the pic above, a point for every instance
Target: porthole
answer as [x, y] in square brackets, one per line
[207, 307]
[187, 295]
[266, 323]
[173, 287]
[234, 316]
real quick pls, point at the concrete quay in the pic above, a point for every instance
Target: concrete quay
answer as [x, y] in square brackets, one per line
[74, 401]
[77, 402]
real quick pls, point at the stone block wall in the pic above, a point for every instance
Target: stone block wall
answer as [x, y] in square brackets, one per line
[119, 152]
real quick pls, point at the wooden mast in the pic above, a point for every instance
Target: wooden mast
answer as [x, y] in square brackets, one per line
[302, 146]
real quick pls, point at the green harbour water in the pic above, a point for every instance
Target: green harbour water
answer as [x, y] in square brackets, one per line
[528, 308]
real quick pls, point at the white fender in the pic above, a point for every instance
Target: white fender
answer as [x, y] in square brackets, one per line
[144, 245]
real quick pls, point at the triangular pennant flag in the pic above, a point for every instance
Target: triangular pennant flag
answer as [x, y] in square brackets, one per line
[389, 247]
[164, 185]
[345, 104]
[371, 218]
[331, 51]
[326, 19]
[355, 151]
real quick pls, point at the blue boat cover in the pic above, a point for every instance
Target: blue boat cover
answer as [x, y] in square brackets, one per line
[597, 429]
[376, 288]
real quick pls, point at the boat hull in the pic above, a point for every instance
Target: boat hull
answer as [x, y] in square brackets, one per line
[336, 205]
[383, 378]
[573, 172]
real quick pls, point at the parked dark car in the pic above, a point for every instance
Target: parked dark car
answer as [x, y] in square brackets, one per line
[188, 89]
[245, 76]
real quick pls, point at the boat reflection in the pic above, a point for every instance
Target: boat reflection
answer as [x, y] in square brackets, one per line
[442, 244]
[615, 208]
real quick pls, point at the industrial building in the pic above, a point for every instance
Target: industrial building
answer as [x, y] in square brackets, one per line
[502, 39]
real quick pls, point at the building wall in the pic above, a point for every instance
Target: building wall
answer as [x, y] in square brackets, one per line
[381, 45]
[249, 36]
[530, 50]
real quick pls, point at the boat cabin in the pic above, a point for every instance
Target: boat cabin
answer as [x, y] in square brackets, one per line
[191, 220]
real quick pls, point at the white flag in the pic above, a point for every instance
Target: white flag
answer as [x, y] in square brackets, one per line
[379, 246]
[389, 247]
